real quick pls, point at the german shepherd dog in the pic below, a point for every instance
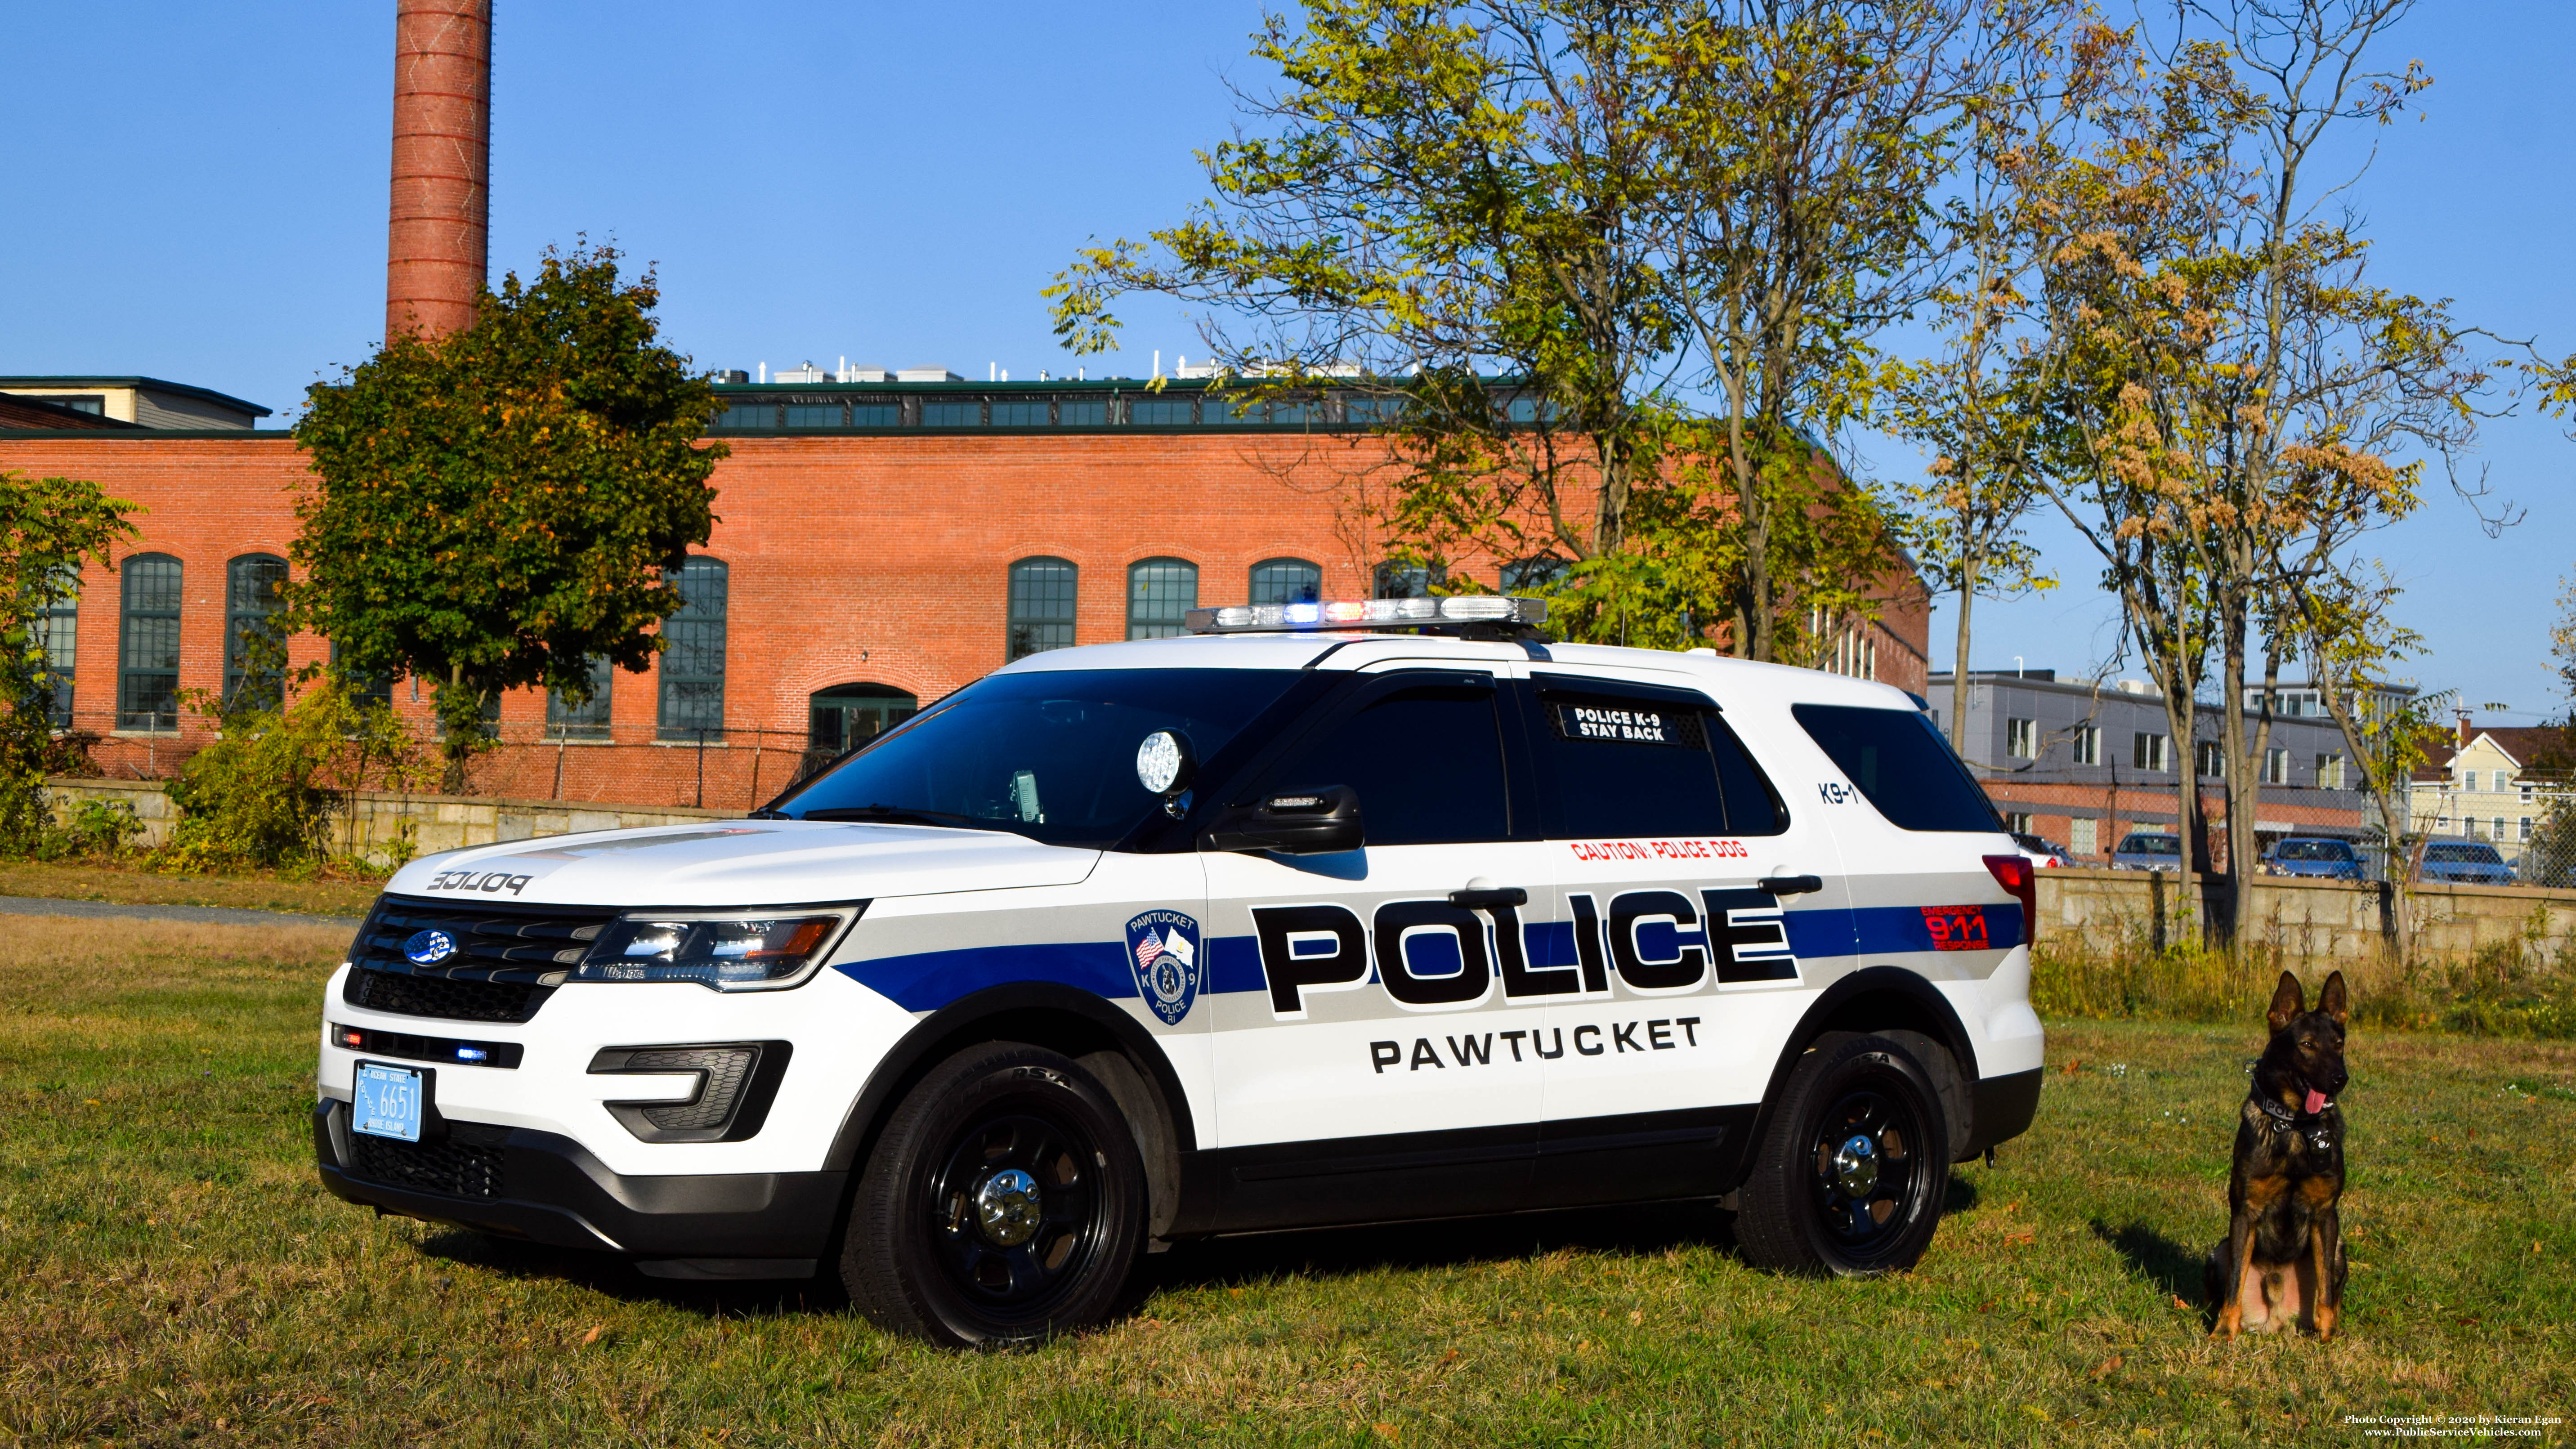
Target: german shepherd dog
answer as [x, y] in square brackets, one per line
[2282, 1264]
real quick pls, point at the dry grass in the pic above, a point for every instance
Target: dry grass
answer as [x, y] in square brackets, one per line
[2511, 988]
[137, 887]
[174, 1275]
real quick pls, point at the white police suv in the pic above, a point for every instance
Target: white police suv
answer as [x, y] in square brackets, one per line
[1335, 913]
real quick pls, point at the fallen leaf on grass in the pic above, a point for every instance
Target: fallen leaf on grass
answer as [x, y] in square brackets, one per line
[2024, 1236]
[595, 1330]
[1384, 1431]
[1636, 1315]
[2106, 1367]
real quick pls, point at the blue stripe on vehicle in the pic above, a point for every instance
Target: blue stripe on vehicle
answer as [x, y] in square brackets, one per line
[930, 980]
[1817, 934]
[1894, 929]
[1234, 964]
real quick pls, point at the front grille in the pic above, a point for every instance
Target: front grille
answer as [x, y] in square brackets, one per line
[726, 1069]
[455, 998]
[504, 942]
[503, 956]
[449, 1169]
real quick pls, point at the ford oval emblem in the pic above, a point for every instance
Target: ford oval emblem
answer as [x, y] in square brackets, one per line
[428, 948]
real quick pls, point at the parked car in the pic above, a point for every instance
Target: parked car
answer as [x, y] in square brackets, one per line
[2463, 862]
[2042, 851]
[2314, 855]
[1102, 949]
[2148, 850]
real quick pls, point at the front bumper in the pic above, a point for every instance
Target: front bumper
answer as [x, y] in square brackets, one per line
[520, 1182]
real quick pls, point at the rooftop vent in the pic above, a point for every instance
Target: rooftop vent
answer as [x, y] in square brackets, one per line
[733, 375]
[809, 373]
[927, 374]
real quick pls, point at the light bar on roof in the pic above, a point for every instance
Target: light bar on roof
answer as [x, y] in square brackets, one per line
[1368, 614]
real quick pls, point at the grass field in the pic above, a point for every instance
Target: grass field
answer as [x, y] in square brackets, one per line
[172, 1274]
[86, 882]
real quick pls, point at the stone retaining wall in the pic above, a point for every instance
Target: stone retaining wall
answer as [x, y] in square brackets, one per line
[383, 820]
[2315, 921]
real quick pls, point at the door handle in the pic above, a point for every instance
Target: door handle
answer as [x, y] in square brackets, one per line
[1488, 898]
[1791, 885]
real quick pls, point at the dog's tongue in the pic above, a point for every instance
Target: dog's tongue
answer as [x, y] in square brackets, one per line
[2316, 1102]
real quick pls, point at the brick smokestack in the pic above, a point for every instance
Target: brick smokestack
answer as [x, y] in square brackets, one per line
[439, 254]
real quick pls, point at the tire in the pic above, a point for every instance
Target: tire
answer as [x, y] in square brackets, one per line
[1004, 1203]
[1849, 1176]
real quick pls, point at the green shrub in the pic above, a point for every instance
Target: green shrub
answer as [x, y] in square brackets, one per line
[92, 829]
[266, 794]
[2507, 988]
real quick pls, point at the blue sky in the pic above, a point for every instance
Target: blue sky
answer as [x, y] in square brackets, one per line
[200, 196]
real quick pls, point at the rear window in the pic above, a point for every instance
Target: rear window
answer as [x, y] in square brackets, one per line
[2314, 850]
[2151, 845]
[2463, 854]
[1628, 766]
[1901, 764]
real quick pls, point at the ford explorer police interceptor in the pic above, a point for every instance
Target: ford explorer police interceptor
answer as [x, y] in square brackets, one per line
[1303, 919]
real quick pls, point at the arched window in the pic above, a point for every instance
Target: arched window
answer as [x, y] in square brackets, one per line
[254, 654]
[1160, 594]
[1042, 594]
[693, 668]
[58, 634]
[847, 716]
[147, 653]
[587, 720]
[1287, 581]
[366, 689]
[1407, 580]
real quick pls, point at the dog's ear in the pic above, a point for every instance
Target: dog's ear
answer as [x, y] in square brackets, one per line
[2331, 1000]
[2287, 1002]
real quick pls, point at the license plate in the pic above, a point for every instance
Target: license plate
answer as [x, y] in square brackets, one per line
[388, 1102]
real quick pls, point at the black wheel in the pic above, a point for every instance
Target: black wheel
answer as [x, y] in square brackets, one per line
[1849, 1177]
[1004, 1202]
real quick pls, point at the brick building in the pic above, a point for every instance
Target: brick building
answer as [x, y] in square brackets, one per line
[881, 543]
[2083, 762]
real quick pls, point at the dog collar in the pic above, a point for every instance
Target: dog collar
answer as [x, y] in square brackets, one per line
[2319, 1137]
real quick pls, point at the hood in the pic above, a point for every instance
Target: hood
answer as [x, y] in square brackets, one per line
[742, 863]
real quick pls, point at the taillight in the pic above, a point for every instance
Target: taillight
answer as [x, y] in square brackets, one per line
[2014, 873]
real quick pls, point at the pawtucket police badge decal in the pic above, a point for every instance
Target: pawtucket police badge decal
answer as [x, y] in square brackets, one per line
[1163, 949]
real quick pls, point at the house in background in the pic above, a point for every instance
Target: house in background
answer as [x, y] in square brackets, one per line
[2083, 762]
[2481, 785]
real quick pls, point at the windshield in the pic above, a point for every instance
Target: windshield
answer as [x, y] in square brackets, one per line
[2152, 845]
[1050, 755]
[2463, 854]
[2314, 850]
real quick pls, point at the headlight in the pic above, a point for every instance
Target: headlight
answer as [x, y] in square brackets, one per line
[723, 951]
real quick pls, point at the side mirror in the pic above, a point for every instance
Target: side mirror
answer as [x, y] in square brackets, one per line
[1293, 822]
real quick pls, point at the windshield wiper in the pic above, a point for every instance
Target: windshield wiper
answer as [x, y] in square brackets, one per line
[895, 814]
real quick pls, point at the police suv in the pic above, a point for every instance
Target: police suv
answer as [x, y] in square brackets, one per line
[1332, 913]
